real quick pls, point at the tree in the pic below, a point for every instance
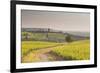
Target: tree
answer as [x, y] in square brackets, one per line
[68, 38]
[47, 36]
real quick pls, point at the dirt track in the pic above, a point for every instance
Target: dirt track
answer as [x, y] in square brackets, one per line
[42, 55]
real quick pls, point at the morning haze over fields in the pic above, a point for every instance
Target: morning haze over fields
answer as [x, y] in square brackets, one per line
[65, 21]
[54, 36]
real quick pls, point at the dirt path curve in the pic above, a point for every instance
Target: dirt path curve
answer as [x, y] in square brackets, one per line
[42, 55]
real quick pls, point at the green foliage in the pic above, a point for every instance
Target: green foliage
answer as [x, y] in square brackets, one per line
[25, 34]
[68, 38]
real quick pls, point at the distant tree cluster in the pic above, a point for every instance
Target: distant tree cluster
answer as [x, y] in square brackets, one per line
[26, 35]
[68, 38]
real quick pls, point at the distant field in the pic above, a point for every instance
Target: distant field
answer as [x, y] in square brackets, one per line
[38, 36]
[79, 50]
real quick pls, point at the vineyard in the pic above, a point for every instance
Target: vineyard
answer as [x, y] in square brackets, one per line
[40, 36]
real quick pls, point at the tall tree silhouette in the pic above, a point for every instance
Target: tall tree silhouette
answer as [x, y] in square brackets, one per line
[47, 35]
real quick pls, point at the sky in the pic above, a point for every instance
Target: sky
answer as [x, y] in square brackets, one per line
[64, 21]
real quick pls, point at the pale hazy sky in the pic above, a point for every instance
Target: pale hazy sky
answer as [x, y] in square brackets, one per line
[65, 21]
